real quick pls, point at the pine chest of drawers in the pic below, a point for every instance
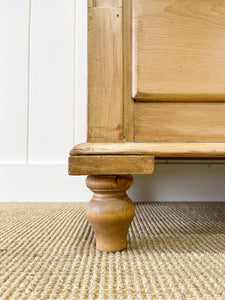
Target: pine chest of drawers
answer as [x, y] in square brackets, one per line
[156, 88]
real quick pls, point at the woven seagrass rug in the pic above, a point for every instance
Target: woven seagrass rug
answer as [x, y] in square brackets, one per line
[175, 251]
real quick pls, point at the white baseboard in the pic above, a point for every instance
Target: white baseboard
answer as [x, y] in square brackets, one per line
[170, 182]
[41, 183]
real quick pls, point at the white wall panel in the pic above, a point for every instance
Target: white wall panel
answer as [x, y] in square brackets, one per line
[14, 29]
[51, 116]
[41, 183]
[81, 72]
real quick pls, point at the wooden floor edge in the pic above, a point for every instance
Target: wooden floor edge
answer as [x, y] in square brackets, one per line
[111, 164]
[189, 150]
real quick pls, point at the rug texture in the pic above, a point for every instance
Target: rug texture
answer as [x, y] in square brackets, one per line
[175, 251]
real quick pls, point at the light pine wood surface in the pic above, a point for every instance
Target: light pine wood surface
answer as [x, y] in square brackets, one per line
[153, 50]
[111, 164]
[105, 3]
[105, 74]
[128, 102]
[178, 50]
[180, 122]
[155, 149]
[110, 211]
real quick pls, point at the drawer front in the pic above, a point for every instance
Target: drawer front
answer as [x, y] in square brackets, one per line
[178, 50]
[179, 122]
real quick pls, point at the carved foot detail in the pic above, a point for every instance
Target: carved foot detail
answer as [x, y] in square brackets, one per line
[110, 211]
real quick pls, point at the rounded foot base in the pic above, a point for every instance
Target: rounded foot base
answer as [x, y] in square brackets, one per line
[110, 211]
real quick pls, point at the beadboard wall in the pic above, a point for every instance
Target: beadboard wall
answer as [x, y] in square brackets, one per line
[43, 100]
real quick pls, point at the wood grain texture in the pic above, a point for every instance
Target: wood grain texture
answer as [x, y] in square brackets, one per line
[179, 50]
[105, 75]
[180, 122]
[155, 149]
[105, 3]
[111, 164]
[110, 211]
[128, 115]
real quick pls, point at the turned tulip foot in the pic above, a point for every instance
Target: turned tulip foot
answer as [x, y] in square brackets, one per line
[110, 211]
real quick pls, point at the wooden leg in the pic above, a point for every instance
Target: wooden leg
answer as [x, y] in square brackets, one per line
[110, 211]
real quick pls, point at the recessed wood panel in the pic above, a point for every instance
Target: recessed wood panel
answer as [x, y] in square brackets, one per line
[179, 50]
[180, 122]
